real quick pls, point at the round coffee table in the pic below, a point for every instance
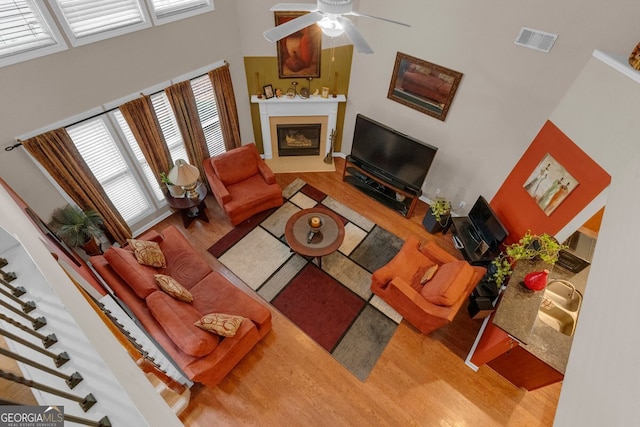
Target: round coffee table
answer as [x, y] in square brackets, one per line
[316, 245]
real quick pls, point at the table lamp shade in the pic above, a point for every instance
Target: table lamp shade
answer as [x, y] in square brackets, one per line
[186, 176]
[183, 174]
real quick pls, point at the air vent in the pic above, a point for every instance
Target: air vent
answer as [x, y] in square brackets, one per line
[536, 39]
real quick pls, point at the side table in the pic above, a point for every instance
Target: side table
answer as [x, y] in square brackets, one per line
[190, 209]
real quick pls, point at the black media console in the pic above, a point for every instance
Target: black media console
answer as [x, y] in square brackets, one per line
[386, 191]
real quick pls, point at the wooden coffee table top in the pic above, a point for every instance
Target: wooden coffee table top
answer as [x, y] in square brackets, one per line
[324, 242]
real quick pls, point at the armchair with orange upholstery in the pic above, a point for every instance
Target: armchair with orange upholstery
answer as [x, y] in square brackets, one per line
[426, 285]
[242, 183]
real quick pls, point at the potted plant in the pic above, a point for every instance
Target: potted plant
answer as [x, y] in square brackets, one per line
[530, 247]
[174, 190]
[78, 228]
[438, 216]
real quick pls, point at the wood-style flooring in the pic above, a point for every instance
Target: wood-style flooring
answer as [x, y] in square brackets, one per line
[289, 380]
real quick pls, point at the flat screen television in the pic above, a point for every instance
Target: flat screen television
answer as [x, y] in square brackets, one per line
[391, 155]
[486, 224]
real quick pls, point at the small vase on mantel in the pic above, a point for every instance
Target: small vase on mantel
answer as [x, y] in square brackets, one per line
[634, 58]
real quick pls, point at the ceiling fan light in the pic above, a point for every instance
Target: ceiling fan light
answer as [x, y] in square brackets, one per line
[330, 26]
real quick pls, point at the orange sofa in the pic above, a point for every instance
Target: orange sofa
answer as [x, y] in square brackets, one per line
[203, 356]
[426, 303]
[242, 183]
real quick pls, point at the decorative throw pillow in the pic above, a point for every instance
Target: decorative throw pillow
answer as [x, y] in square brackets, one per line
[222, 324]
[429, 274]
[148, 253]
[173, 288]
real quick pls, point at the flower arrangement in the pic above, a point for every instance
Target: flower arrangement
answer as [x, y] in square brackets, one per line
[530, 246]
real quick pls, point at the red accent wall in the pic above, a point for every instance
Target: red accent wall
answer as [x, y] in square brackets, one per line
[519, 212]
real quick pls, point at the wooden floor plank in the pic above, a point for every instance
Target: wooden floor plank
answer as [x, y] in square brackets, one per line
[419, 380]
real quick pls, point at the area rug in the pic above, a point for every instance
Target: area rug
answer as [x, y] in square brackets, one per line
[332, 305]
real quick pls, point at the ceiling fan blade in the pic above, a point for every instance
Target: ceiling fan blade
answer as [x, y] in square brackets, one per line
[290, 27]
[294, 7]
[354, 35]
[377, 17]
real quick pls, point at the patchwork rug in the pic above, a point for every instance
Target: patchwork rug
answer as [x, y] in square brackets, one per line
[332, 305]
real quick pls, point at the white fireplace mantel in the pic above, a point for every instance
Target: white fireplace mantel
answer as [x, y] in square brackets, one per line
[312, 106]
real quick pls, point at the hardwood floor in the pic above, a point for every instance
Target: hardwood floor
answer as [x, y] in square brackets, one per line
[419, 380]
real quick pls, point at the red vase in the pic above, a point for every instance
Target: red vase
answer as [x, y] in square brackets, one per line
[537, 280]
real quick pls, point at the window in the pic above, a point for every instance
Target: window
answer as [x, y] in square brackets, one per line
[169, 126]
[163, 11]
[208, 113]
[98, 148]
[26, 32]
[87, 21]
[137, 153]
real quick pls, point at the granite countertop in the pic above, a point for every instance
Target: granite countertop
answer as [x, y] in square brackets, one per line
[517, 314]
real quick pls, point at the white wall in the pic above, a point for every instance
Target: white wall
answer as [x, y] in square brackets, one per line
[600, 114]
[506, 93]
[44, 91]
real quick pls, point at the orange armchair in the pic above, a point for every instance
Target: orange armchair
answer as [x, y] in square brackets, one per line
[242, 183]
[427, 285]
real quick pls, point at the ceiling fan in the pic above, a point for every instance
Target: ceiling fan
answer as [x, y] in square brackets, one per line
[330, 15]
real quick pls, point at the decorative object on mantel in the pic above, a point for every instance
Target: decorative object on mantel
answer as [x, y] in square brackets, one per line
[268, 91]
[330, 17]
[634, 58]
[325, 92]
[259, 94]
[423, 86]
[329, 157]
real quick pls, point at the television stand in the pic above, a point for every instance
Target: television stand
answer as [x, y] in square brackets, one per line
[472, 248]
[380, 189]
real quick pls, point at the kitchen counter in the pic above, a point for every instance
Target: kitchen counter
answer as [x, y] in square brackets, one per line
[517, 315]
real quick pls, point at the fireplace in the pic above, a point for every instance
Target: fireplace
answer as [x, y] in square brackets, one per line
[313, 118]
[298, 139]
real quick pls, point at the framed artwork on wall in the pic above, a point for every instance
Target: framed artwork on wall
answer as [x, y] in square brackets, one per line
[549, 184]
[299, 53]
[423, 86]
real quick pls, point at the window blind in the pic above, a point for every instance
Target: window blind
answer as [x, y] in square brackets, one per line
[137, 152]
[208, 114]
[98, 149]
[165, 8]
[169, 126]
[23, 28]
[86, 18]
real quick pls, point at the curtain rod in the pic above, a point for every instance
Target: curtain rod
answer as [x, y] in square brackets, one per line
[19, 144]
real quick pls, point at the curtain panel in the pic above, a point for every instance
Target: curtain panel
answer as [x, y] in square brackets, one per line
[56, 152]
[183, 104]
[227, 109]
[146, 129]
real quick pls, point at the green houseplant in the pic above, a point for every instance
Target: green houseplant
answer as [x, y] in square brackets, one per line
[77, 228]
[529, 247]
[438, 215]
[174, 190]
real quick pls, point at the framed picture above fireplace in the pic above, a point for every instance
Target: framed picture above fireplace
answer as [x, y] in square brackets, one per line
[299, 53]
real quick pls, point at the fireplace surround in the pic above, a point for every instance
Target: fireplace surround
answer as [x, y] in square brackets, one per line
[297, 113]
